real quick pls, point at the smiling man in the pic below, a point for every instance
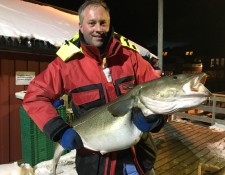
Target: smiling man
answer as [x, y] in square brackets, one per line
[94, 68]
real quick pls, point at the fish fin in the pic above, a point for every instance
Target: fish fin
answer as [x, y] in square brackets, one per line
[122, 107]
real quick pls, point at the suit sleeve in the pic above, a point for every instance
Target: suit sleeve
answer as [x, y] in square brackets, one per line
[42, 91]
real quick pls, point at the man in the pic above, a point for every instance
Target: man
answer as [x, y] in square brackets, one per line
[93, 68]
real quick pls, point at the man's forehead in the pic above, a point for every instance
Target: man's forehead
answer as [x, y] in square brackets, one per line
[93, 8]
[90, 14]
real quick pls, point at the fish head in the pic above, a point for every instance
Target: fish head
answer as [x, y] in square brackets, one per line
[170, 94]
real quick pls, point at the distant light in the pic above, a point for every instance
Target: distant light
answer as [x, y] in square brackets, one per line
[189, 53]
[165, 53]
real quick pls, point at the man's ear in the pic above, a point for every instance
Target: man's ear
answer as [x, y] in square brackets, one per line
[80, 27]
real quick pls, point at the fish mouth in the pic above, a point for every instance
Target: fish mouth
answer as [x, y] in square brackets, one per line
[195, 87]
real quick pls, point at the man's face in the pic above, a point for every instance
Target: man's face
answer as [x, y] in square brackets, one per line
[95, 25]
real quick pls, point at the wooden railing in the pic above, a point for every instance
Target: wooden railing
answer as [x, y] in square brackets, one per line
[206, 112]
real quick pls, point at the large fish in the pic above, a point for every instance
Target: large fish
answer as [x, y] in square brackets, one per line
[110, 128]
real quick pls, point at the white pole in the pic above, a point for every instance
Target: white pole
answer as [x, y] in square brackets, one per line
[160, 33]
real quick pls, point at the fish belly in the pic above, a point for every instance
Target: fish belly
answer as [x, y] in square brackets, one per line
[115, 135]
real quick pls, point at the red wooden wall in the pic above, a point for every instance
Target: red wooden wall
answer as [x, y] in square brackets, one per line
[10, 62]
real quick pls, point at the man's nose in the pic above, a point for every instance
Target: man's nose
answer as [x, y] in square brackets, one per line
[98, 27]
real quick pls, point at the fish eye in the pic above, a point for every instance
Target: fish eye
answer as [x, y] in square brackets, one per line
[174, 77]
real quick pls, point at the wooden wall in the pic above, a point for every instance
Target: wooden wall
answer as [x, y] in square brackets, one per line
[10, 62]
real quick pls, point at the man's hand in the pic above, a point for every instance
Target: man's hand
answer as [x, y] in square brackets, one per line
[151, 123]
[71, 140]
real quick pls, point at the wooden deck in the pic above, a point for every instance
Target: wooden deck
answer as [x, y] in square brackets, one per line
[182, 146]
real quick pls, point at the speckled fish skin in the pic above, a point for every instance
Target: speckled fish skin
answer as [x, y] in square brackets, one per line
[110, 128]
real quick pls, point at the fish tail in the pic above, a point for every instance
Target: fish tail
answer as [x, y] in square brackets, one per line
[58, 152]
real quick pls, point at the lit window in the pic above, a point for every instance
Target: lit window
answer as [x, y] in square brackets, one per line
[165, 53]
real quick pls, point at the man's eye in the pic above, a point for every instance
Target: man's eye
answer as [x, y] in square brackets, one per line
[103, 24]
[91, 23]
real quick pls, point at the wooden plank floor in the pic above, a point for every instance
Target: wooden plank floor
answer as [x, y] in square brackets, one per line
[182, 146]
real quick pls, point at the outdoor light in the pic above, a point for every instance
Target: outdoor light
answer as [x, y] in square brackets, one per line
[189, 53]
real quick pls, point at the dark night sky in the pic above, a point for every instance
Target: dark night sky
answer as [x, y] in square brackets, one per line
[201, 22]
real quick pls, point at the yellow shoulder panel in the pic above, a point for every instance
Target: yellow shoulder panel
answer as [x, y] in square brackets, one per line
[68, 49]
[124, 41]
